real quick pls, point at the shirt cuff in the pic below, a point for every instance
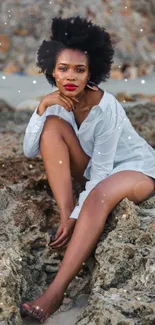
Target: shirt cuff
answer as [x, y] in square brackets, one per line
[75, 212]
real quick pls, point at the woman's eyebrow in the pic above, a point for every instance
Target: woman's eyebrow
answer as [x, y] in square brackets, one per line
[77, 65]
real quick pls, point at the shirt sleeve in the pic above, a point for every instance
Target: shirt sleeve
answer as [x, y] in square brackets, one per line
[106, 137]
[31, 142]
[32, 134]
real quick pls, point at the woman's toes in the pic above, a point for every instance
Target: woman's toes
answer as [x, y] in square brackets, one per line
[37, 310]
[40, 314]
[42, 320]
[26, 307]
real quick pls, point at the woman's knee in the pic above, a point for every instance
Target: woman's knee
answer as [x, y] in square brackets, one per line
[54, 124]
[135, 186]
[56, 128]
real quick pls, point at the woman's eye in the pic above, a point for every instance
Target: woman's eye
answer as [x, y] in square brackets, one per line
[61, 68]
[64, 69]
[81, 70]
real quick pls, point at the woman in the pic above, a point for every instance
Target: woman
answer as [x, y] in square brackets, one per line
[82, 131]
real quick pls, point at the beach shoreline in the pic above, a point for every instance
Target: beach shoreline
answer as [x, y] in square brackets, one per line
[15, 89]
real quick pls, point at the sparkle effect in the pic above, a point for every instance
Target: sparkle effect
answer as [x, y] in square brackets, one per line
[34, 81]
[60, 162]
[3, 77]
[138, 298]
[143, 81]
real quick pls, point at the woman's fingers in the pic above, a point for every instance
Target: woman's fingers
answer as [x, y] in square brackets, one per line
[75, 99]
[69, 100]
[63, 244]
[65, 104]
[59, 240]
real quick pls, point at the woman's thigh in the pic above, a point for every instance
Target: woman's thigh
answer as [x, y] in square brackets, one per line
[133, 185]
[78, 158]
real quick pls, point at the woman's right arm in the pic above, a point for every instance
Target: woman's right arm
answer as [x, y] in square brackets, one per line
[36, 123]
[33, 132]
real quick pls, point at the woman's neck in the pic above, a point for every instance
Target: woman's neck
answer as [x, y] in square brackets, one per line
[87, 99]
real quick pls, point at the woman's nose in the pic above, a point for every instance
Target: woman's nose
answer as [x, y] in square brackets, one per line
[71, 76]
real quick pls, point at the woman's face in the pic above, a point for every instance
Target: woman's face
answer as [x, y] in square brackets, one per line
[71, 69]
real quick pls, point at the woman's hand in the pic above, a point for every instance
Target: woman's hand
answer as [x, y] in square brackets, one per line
[56, 97]
[63, 234]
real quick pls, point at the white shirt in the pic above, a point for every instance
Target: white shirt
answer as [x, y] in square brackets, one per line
[106, 135]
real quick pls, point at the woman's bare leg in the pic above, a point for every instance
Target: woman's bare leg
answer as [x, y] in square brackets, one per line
[63, 158]
[135, 186]
[88, 230]
[59, 146]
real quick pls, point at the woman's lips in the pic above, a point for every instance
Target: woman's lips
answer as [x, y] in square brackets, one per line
[70, 87]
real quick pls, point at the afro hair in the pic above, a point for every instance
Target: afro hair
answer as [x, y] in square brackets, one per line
[79, 34]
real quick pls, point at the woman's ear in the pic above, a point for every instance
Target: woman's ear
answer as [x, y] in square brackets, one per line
[53, 74]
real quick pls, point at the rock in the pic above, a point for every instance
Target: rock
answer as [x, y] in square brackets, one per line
[118, 278]
[131, 72]
[122, 284]
[29, 104]
[10, 68]
[142, 118]
[81, 300]
[144, 69]
[131, 27]
[5, 43]
[123, 96]
[21, 32]
[31, 69]
[116, 74]
[67, 304]
[152, 98]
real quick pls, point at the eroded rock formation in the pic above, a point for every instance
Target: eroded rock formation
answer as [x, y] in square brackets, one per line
[121, 286]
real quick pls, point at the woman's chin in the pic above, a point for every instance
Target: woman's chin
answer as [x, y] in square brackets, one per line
[70, 93]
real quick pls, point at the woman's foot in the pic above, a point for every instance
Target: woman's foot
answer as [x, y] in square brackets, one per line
[45, 305]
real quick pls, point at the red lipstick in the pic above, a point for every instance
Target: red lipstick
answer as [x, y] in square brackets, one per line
[70, 87]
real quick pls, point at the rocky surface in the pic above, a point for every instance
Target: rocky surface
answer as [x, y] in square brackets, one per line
[120, 287]
[123, 282]
[130, 24]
